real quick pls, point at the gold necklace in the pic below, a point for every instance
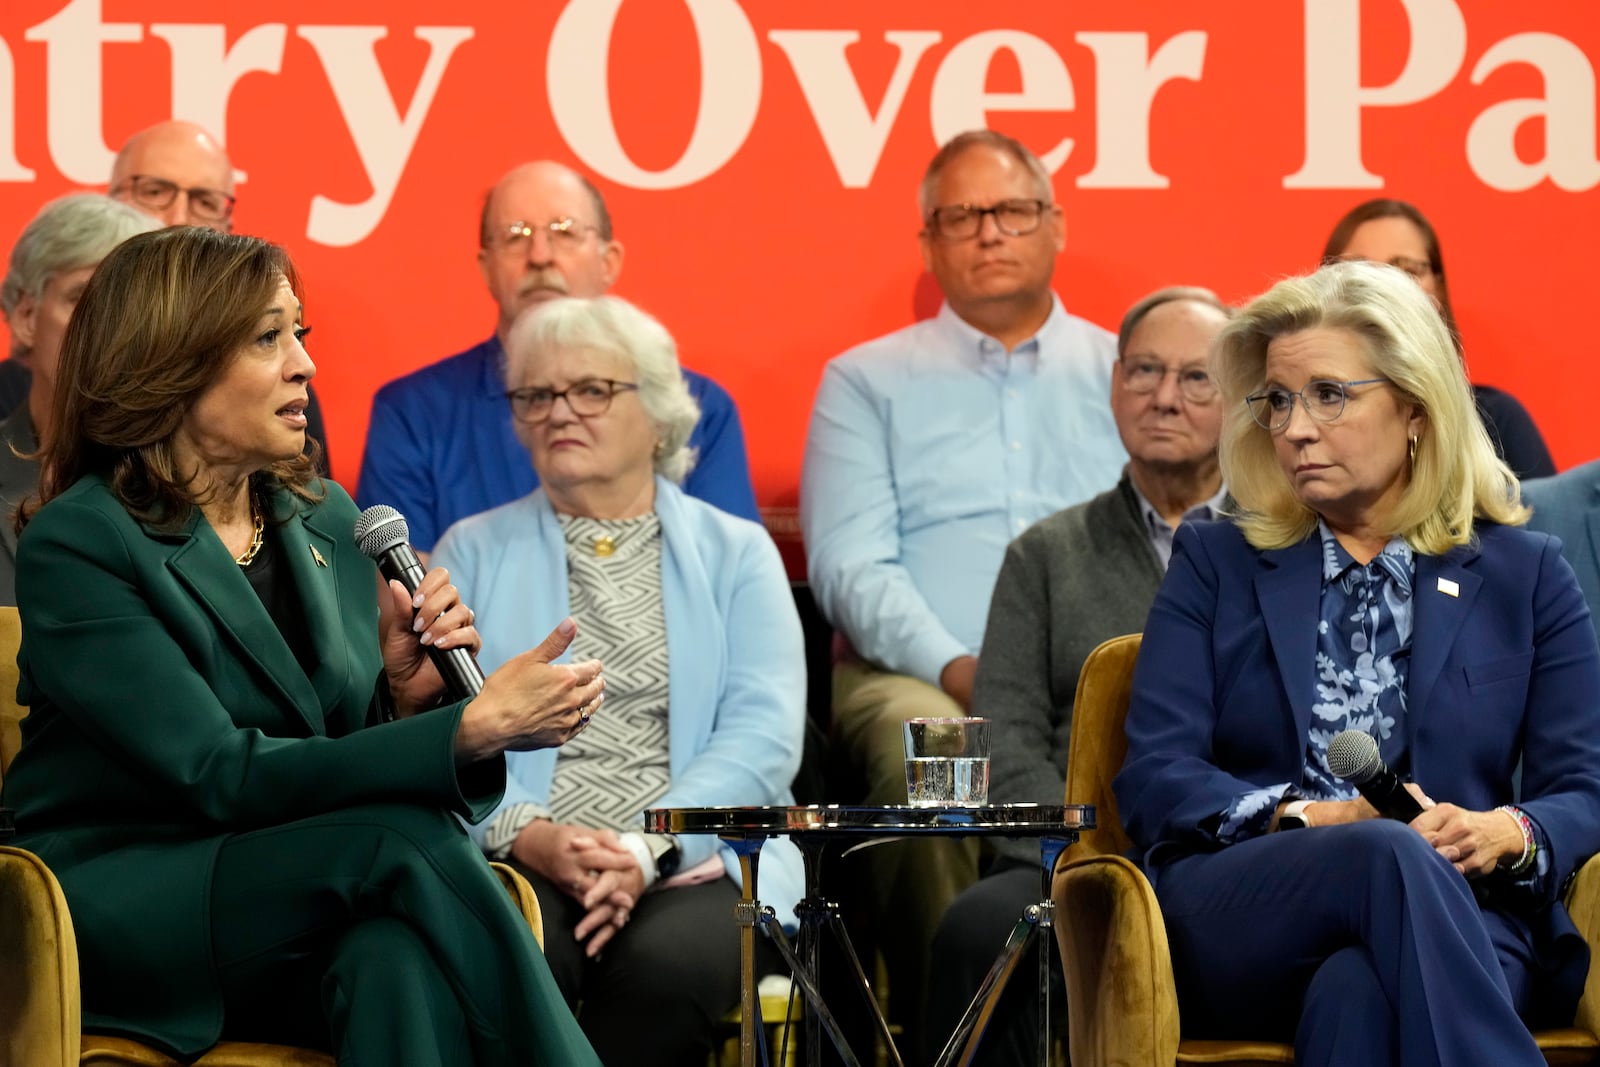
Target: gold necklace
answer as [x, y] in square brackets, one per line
[255, 540]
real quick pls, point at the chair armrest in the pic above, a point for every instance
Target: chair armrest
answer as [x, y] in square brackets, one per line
[523, 896]
[40, 1014]
[1122, 1001]
[1583, 904]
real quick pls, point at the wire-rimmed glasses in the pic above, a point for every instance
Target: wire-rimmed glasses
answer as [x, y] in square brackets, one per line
[1014, 218]
[565, 232]
[1146, 376]
[1324, 400]
[157, 194]
[589, 396]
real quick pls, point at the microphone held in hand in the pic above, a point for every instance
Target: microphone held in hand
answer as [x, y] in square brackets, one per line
[1353, 756]
[382, 534]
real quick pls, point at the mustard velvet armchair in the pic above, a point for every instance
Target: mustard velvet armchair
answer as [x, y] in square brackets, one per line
[1122, 1004]
[40, 1014]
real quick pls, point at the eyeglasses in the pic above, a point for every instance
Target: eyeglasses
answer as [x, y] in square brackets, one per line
[564, 233]
[591, 396]
[1014, 218]
[1146, 376]
[157, 194]
[1323, 400]
[1420, 269]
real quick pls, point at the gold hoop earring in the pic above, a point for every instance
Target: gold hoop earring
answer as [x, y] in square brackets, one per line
[1413, 451]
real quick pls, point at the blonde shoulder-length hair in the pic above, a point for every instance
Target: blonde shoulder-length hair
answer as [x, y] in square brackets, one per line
[1455, 475]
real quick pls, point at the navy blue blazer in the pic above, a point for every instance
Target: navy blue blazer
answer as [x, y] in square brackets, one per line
[1504, 665]
[1568, 506]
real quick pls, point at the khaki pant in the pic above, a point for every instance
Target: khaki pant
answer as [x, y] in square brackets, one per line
[912, 882]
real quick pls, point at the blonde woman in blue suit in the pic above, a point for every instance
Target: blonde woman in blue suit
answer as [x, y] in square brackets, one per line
[1375, 579]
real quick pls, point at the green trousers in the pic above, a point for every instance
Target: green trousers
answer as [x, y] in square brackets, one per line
[381, 934]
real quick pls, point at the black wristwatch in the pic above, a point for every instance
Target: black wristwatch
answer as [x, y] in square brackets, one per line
[664, 850]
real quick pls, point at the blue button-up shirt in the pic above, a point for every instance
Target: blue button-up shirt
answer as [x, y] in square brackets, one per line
[929, 450]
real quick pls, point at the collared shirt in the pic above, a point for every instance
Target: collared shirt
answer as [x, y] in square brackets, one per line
[928, 451]
[1160, 533]
[440, 446]
[1362, 664]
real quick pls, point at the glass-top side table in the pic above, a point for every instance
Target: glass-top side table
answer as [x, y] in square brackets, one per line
[813, 828]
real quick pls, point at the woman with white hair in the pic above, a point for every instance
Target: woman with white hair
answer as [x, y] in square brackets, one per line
[1374, 580]
[50, 264]
[639, 927]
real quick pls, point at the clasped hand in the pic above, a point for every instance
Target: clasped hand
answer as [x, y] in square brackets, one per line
[1474, 842]
[592, 867]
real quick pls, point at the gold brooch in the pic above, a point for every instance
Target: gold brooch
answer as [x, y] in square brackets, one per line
[317, 556]
[604, 545]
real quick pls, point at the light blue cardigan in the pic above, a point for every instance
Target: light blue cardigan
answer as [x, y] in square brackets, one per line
[737, 682]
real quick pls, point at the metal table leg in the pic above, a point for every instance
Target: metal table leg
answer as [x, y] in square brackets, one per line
[747, 913]
[1050, 849]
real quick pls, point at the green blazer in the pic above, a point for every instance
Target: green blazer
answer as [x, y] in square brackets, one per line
[168, 712]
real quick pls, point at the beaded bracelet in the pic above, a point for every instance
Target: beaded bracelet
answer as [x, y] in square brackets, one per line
[1530, 844]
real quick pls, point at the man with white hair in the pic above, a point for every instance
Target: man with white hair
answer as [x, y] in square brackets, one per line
[440, 445]
[49, 266]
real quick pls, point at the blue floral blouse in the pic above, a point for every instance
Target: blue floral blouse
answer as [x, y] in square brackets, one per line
[1363, 662]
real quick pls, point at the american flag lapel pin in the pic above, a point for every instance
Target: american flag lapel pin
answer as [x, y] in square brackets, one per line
[323, 563]
[1449, 588]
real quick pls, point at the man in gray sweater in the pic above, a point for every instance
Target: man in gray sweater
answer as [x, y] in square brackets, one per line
[1069, 582]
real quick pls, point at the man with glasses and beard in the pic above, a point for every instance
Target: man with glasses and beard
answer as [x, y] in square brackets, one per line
[928, 451]
[440, 445]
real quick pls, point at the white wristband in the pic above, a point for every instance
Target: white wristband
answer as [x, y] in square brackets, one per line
[641, 855]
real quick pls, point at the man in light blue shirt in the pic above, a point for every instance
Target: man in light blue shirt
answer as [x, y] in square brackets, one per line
[928, 451]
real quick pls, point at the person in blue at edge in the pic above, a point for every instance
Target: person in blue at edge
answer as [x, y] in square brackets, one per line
[440, 444]
[240, 763]
[639, 927]
[1373, 579]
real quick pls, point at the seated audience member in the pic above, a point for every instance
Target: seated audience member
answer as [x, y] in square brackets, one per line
[1396, 233]
[240, 762]
[1568, 505]
[690, 609]
[441, 444]
[179, 174]
[1375, 580]
[50, 265]
[1080, 577]
[929, 449]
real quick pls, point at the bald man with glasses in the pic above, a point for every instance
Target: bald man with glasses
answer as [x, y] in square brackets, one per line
[179, 174]
[440, 444]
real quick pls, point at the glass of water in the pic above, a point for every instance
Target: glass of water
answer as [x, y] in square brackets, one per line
[947, 762]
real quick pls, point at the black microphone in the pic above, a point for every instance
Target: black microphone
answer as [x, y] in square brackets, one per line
[382, 534]
[1353, 756]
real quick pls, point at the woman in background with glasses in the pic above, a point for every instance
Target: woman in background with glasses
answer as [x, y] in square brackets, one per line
[1374, 580]
[1396, 233]
[705, 697]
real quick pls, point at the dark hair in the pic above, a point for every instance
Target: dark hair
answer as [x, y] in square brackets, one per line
[602, 214]
[160, 321]
[1383, 208]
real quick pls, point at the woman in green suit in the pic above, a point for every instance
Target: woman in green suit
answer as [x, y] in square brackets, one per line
[240, 762]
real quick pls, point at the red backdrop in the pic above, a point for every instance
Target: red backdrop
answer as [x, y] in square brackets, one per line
[761, 160]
